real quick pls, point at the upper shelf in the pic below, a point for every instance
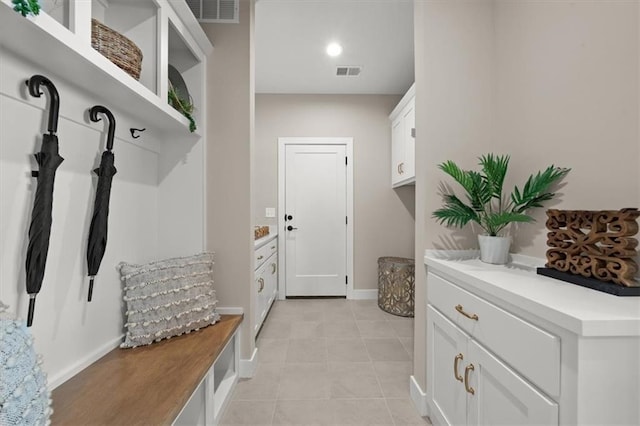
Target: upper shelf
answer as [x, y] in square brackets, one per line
[46, 42]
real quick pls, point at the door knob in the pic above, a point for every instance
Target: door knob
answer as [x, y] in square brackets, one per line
[287, 217]
[290, 228]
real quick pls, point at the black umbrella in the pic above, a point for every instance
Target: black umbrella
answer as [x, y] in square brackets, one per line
[48, 161]
[99, 222]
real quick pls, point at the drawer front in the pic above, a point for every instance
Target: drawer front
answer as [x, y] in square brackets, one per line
[264, 252]
[532, 351]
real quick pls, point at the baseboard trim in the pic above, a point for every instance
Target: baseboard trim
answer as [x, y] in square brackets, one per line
[226, 310]
[418, 397]
[61, 377]
[368, 294]
[248, 366]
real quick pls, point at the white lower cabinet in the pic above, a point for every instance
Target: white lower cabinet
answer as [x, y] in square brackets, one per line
[265, 282]
[506, 346]
[470, 386]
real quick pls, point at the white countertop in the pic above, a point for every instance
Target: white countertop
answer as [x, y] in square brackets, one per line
[581, 310]
[273, 233]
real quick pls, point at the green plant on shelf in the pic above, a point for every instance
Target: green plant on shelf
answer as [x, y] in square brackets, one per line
[26, 7]
[183, 106]
[486, 205]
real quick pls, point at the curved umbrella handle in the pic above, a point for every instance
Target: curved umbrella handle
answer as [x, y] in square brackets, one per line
[93, 116]
[34, 84]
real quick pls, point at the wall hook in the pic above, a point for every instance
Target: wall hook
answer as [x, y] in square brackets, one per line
[134, 132]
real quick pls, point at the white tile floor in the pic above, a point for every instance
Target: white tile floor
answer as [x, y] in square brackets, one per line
[329, 362]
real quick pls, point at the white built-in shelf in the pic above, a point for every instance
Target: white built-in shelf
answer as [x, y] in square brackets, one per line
[48, 43]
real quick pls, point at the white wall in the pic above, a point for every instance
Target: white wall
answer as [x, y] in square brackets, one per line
[230, 104]
[566, 78]
[454, 119]
[548, 82]
[383, 222]
[69, 331]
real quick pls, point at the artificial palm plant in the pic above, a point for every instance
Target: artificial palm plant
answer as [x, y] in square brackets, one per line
[486, 204]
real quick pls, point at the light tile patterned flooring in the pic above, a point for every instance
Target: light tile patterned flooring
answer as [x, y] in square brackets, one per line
[329, 362]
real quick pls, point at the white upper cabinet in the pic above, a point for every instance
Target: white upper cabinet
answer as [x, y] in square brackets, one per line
[403, 123]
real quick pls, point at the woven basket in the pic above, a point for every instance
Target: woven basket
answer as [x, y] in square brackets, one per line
[116, 48]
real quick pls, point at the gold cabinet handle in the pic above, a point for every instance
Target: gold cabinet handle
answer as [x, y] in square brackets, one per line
[402, 168]
[273, 247]
[273, 268]
[467, 370]
[261, 282]
[260, 257]
[399, 172]
[460, 309]
[457, 359]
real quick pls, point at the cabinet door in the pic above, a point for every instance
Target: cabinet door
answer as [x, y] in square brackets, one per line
[273, 281]
[260, 283]
[408, 163]
[446, 349]
[397, 150]
[502, 397]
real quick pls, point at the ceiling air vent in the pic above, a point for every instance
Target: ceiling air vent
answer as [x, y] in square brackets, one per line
[348, 71]
[220, 11]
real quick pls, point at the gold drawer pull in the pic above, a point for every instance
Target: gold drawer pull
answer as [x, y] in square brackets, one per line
[460, 309]
[468, 388]
[260, 257]
[273, 247]
[458, 358]
[261, 282]
[273, 268]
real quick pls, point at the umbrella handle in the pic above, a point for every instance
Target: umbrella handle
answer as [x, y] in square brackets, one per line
[93, 116]
[34, 84]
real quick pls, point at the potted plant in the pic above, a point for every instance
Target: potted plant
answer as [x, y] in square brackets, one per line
[487, 206]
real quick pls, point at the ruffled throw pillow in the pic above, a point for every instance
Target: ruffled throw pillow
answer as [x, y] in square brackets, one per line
[168, 298]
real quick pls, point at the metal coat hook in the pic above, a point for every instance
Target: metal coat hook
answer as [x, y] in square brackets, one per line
[134, 132]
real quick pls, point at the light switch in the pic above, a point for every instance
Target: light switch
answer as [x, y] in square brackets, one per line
[270, 212]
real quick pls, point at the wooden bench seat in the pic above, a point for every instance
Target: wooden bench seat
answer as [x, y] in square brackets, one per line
[144, 385]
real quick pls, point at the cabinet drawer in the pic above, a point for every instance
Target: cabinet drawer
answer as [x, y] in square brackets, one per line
[529, 349]
[264, 252]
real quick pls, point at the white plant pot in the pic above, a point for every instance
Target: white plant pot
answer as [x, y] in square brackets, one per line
[494, 250]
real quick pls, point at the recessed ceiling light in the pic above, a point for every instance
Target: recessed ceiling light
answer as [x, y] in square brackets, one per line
[334, 49]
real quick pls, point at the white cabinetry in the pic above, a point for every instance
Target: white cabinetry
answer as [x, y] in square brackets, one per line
[158, 200]
[403, 123]
[208, 401]
[508, 347]
[265, 279]
[166, 31]
[479, 389]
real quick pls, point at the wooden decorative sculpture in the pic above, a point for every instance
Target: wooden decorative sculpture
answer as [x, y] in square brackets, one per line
[594, 244]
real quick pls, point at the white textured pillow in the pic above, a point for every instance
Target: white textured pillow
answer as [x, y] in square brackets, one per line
[168, 298]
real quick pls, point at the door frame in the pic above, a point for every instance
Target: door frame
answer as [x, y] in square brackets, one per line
[282, 146]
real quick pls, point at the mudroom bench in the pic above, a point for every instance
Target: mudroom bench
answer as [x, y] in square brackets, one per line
[183, 380]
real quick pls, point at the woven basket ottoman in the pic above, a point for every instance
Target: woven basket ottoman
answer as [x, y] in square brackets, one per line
[396, 283]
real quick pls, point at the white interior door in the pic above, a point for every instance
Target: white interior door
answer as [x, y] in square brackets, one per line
[315, 208]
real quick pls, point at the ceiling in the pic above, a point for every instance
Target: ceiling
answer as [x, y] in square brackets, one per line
[292, 35]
